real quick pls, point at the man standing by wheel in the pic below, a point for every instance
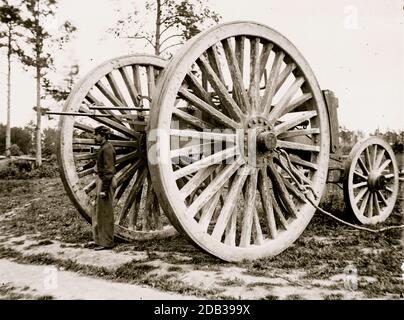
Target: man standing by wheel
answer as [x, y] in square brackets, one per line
[103, 219]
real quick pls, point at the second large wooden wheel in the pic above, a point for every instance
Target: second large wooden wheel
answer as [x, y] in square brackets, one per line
[238, 133]
[116, 94]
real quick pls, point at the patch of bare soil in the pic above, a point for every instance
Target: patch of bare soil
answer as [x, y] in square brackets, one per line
[329, 261]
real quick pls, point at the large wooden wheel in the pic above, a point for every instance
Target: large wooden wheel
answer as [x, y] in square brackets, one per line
[126, 82]
[371, 180]
[241, 126]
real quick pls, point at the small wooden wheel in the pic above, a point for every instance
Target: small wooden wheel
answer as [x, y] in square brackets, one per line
[241, 126]
[371, 180]
[126, 82]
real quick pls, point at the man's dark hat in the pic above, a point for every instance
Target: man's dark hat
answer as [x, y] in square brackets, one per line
[102, 130]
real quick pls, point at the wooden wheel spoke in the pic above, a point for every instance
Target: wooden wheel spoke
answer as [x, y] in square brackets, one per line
[128, 172]
[85, 156]
[113, 125]
[129, 86]
[110, 96]
[117, 92]
[360, 195]
[215, 158]
[289, 107]
[278, 212]
[86, 172]
[208, 211]
[298, 118]
[389, 176]
[264, 189]
[215, 185]
[257, 231]
[364, 202]
[134, 213]
[122, 187]
[236, 75]
[132, 195]
[193, 149]
[360, 184]
[157, 213]
[362, 166]
[83, 127]
[369, 212]
[248, 216]
[231, 229]
[293, 190]
[205, 107]
[90, 187]
[299, 161]
[198, 89]
[202, 135]
[88, 129]
[285, 101]
[374, 156]
[382, 197]
[379, 159]
[265, 52]
[284, 75]
[359, 174]
[227, 101]
[240, 52]
[148, 211]
[127, 157]
[384, 165]
[297, 146]
[376, 203]
[191, 120]
[197, 180]
[214, 60]
[367, 158]
[151, 81]
[296, 133]
[254, 88]
[229, 206]
[136, 79]
[280, 189]
[94, 101]
[270, 89]
[115, 143]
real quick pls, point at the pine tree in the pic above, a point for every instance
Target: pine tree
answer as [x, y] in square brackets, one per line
[174, 23]
[10, 34]
[38, 54]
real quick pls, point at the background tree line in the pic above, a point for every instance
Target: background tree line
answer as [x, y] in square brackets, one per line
[26, 37]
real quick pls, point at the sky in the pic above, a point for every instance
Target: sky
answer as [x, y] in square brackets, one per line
[355, 48]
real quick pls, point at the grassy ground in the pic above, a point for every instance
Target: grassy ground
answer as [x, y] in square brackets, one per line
[41, 208]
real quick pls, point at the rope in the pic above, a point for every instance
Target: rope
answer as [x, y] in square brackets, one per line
[305, 188]
[350, 224]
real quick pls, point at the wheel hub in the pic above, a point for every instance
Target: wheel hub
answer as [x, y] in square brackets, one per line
[259, 141]
[376, 181]
[266, 141]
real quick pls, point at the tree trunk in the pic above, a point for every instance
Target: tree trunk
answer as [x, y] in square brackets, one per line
[38, 117]
[158, 24]
[38, 153]
[8, 127]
